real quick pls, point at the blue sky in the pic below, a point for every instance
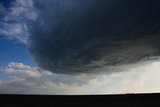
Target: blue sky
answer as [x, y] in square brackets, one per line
[6, 3]
[10, 51]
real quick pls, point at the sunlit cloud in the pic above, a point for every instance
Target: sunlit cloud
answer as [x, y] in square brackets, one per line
[134, 78]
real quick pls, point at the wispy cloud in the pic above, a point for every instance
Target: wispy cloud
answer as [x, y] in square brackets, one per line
[14, 19]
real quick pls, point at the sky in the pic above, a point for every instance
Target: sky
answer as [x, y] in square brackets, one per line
[65, 47]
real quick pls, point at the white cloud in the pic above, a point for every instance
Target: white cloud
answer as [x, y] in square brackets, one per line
[134, 78]
[27, 79]
[19, 66]
[22, 9]
[14, 31]
[14, 20]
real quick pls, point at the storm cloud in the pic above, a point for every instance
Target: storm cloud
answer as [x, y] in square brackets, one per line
[79, 36]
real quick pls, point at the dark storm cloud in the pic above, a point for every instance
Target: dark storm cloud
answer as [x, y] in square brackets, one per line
[78, 36]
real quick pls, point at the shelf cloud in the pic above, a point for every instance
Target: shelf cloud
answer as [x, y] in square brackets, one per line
[74, 37]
